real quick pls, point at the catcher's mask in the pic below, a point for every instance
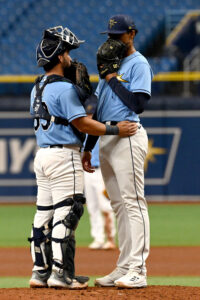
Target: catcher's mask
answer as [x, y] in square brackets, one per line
[55, 41]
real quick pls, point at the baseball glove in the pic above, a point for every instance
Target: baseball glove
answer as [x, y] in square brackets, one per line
[109, 56]
[78, 74]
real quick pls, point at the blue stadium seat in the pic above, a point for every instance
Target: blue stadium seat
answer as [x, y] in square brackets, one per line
[23, 21]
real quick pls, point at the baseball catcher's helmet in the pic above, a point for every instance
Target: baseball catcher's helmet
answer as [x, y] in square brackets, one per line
[55, 41]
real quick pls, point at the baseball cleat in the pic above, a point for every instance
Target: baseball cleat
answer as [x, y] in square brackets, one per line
[76, 285]
[96, 245]
[56, 280]
[39, 280]
[109, 279]
[131, 280]
[109, 246]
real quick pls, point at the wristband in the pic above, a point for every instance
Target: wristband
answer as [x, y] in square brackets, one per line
[111, 130]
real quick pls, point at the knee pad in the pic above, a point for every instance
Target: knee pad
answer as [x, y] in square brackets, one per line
[78, 208]
[75, 213]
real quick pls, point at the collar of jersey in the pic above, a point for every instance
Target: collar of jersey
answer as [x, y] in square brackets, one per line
[137, 53]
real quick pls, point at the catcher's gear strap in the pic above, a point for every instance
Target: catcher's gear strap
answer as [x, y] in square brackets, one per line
[66, 202]
[82, 279]
[68, 243]
[40, 111]
[40, 207]
[74, 215]
[134, 101]
[40, 233]
[41, 245]
[68, 254]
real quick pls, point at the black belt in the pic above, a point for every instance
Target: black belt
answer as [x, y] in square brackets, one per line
[56, 146]
[110, 122]
[115, 123]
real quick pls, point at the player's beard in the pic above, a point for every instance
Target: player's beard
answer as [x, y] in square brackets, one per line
[66, 63]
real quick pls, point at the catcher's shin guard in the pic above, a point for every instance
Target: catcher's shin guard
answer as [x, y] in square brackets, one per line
[41, 246]
[67, 244]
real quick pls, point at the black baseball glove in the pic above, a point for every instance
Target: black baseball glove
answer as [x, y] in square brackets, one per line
[109, 56]
[78, 74]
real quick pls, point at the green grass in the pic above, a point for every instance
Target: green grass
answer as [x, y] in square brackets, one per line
[174, 225]
[19, 282]
[14, 282]
[15, 224]
[171, 225]
[180, 280]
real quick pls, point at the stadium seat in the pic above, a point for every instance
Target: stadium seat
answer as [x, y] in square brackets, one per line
[23, 21]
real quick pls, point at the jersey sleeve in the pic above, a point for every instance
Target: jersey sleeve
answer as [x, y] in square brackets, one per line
[141, 78]
[97, 91]
[31, 101]
[71, 105]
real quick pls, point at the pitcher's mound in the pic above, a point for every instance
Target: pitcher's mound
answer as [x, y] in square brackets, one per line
[93, 293]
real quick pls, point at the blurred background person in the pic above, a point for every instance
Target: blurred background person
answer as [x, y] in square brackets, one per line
[101, 215]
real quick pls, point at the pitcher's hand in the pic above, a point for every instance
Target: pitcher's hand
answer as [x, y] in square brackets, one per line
[86, 162]
[127, 128]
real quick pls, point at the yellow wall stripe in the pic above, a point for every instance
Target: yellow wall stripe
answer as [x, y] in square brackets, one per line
[30, 78]
[177, 76]
[180, 25]
[168, 76]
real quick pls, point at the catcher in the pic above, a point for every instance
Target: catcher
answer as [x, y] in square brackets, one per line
[60, 122]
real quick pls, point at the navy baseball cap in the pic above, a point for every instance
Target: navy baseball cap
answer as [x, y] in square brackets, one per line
[120, 24]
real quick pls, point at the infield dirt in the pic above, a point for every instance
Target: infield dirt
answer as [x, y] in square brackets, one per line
[163, 261]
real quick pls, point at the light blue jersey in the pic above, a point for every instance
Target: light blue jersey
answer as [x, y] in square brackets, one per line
[62, 101]
[95, 155]
[136, 75]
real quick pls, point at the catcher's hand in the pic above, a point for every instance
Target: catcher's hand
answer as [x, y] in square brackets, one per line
[78, 74]
[109, 56]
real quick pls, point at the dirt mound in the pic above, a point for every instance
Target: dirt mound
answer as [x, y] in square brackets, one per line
[149, 293]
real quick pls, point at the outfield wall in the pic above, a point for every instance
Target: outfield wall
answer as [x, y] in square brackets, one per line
[171, 168]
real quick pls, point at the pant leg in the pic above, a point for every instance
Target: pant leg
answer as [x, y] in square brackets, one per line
[92, 199]
[42, 216]
[130, 175]
[111, 184]
[126, 158]
[64, 171]
[105, 207]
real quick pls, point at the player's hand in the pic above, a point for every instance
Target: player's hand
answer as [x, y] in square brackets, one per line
[127, 128]
[86, 162]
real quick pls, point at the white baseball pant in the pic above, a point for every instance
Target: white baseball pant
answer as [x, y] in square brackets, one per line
[122, 165]
[97, 204]
[59, 176]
